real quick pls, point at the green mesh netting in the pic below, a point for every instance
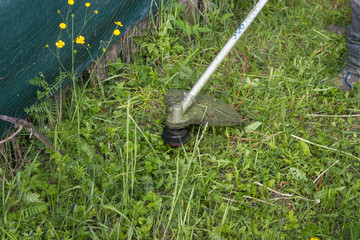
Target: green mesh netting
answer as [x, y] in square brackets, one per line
[27, 26]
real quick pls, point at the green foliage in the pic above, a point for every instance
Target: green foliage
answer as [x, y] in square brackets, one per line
[118, 180]
[292, 221]
[47, 90]
[35, 206]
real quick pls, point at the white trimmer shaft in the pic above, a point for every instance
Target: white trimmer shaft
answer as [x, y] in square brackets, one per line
[177, 111]
[188, 100]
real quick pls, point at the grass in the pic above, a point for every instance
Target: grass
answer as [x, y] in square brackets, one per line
[120, 181]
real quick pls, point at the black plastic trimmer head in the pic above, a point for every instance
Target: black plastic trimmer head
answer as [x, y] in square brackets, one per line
[176, 137]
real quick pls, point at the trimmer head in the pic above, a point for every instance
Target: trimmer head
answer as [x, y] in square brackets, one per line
[176, 137]
[205, 109]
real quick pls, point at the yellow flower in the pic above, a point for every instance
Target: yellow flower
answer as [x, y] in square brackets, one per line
[71, 2]
[314, 239]
[58, 11]
[96, 12]
[119, 24]
[116, 32]
[59, 44]
[46, 45]
[104, 50]
[80, 40]
[88, 45]
[62, 25]
[87, 4]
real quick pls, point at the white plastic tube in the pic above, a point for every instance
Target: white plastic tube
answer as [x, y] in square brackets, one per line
[189, 98]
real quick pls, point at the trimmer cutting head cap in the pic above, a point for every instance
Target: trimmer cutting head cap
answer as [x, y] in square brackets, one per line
[176, 137]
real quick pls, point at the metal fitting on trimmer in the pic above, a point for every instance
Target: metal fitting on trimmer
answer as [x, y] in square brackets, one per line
[176, 115]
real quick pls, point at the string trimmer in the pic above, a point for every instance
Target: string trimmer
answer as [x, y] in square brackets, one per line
[190, 108]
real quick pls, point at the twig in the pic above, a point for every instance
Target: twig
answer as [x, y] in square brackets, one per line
[254, 139]
[229, 199]
[255, 132]
[242, 80]
[288, 195]
[274, 191]
[242, 54]
[243, 76]
[342, 116]
[281, 198]
[17, 151]
[311, 200]
[273, 135]
[1, 152]
[267, 138]
[266, 146]
[245, 139]
[25, 124]
[259, 200]
[255, 144]
[12, 136]
[319, 183]
[333, 149]
[325, 171]
[41, 223]
[252, 81]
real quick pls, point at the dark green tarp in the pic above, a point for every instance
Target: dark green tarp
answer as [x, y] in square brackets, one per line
[27, 26]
